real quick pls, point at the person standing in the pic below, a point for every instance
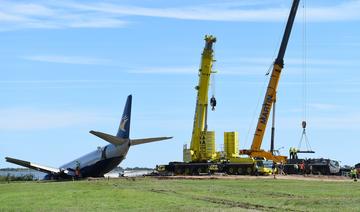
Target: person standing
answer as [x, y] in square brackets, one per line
[354, 174]
[281, 168]
[274, 169]
[77, 170]
[302, 168]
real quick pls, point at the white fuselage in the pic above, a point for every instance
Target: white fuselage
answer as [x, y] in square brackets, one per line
[102, 154]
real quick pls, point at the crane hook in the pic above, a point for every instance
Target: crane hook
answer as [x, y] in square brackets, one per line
[213, 103]
[303, 124]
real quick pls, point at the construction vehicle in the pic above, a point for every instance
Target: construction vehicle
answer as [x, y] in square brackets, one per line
[270, 98]
[265, 167]
[202, 157]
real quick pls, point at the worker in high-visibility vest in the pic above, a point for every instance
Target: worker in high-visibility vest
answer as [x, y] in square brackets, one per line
[302, 168]
[354, 174]
[291, 153]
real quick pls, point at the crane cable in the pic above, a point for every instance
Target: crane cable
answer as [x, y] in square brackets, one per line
[261, 94]
[304, 82]
[304, 62]
[262, 91]
[213, 85]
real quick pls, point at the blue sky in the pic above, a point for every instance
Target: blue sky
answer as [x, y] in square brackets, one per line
[67, 67]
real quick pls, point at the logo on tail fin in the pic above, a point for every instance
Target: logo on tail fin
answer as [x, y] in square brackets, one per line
[123, 123]
[124, 128]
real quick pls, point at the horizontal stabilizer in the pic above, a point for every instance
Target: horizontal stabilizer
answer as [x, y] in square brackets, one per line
[147, 140]
[109, 138]
[34, 166]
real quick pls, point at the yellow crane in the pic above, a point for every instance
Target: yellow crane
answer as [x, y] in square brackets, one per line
[202, 157]
[270, 96]
[202, 147]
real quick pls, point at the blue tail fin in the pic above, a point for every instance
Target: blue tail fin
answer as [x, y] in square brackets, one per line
[124, 128]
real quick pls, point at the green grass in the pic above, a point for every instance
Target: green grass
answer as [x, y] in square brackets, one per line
[149, 194]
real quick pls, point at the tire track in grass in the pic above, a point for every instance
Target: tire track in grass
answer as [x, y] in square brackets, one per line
[225, 202]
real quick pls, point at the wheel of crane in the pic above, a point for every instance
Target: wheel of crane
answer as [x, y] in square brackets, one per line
[230, 170]
[249, 170]
[198, 171]
[179, 171]
[187, 171]
[240, 171]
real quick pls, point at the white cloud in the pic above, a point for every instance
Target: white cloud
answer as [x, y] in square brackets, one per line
[68, 59]
[322, 106]
[348, 90]
[260, 65]
[292, 61]
[165, 70]
[82, 14]
[245, 66]
[341, 12]
[34, 119]
[338, 121]
[192, 13]
[224, 70]
[347, 11]
[31, 9]
[19, 15]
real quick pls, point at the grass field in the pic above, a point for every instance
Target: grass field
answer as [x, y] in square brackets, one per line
[150, 194]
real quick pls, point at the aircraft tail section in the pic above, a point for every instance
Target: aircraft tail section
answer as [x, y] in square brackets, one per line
[147, 140]
[123, 134]
[124, 127]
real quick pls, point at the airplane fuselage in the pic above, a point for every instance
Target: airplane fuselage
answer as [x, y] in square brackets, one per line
[96, 163]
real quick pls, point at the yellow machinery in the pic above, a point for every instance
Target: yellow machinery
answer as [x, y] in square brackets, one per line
[202, 147]
[231, 144]
[202, 157]
[270, 96]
